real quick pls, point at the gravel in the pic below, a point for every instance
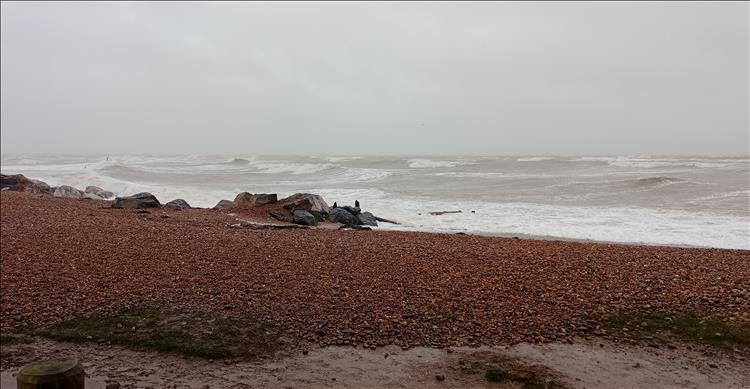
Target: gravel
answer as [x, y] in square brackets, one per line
[63, 258]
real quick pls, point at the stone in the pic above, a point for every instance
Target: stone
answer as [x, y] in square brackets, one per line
[280, 216]
[91, 196]
[105, 194]
[67, 191]
[367, 219]
[136, 201]
[178, 204]
[352, 210]
[303, 217]
[247, 200]
[307, 202]
[341, 215]
[19, 183]
[225, 204]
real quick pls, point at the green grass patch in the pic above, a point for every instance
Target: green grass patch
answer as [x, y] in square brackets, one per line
[687, 326]
[11, 338]
[184, 333]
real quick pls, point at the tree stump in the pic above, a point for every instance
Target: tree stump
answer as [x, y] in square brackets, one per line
[61, 373]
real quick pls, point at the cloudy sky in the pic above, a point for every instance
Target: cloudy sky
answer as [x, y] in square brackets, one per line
[375, 78]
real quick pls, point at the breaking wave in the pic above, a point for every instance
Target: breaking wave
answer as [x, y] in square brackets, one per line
[422, 163]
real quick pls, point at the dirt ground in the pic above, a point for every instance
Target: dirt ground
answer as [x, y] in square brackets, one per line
[594, 363]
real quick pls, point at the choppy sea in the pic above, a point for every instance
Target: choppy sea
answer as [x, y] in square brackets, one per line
[688, 200]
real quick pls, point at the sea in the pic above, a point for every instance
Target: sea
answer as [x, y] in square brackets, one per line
[699, 201]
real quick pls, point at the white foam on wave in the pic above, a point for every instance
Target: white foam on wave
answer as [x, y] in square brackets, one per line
[290, 167]
[534, 159]
[422, 163]
[650, 163]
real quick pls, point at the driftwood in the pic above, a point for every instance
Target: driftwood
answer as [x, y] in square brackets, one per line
[380, 219]
[267, 226]
[444, 212]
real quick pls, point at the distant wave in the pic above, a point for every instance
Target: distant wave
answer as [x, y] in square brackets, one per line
[650, 163]
[422, 163]
[534, 159]
[650, 182]
[291, 167]
[238, 161]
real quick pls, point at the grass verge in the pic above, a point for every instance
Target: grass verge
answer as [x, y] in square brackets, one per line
[685, 326]
[184, 333]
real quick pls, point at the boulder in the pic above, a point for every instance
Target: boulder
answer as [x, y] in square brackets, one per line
[307, 202]
[105, 194]
[91, 196]
[19, 183]
[136, 201]
[178, 204]
[319, 216]
[352, 210]
[225, 204]
[341, 215]
[303, 217]
[367, 219]
[247, 200]
[67, 191]
[280, 216]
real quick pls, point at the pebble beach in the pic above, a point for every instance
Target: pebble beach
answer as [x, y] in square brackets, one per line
[64, 258]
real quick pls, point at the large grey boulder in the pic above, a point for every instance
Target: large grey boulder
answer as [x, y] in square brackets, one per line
[136, 201]
[352, 210]
[367, 219]
[247, 200]
[341, 215]
[91, 196]
[178, 204]
[306, 202]
[95, 190]
[19, 183]
[225, 204]
[67, 191]
[303, 217]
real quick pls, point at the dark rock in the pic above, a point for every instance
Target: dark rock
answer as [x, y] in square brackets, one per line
[247, 200]
[95, 190]
[368, 219]
[225, 204]
[352, 210]
[318, 215]
[440, 377]
[307, 202]
[303, 217]
[136, 201]
[280, 216]
[67, 192]
[19, 183]
[178, 204]
[341, 215]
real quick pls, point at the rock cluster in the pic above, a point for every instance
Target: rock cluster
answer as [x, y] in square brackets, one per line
[247, 200]
[19, 183]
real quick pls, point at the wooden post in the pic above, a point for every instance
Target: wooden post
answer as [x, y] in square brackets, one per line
[61, 373]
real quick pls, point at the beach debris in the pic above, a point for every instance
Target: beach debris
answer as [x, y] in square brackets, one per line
[247, 200]
[266, 226]
[225, 204]
[380, 219]
[136, 201]
[178, 204]
[437, 213]
[303, 217]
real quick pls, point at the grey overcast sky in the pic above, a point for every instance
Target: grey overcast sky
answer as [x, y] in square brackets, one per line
[375, 78]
